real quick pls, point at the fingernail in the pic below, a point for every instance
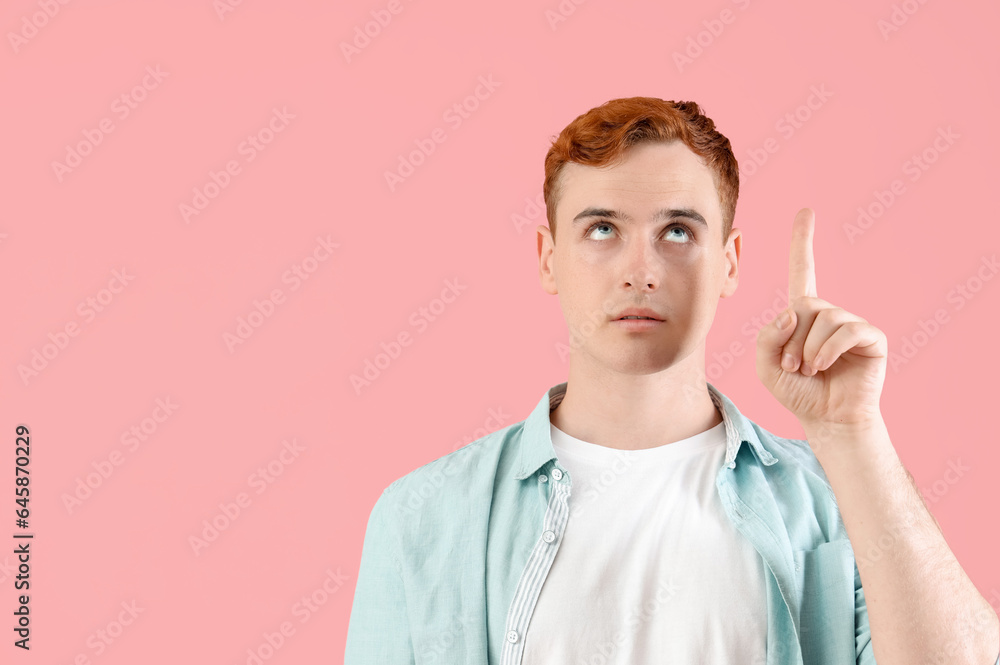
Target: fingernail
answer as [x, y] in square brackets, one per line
[784, 320]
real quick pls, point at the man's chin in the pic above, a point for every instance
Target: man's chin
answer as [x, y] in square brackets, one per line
[639, 362]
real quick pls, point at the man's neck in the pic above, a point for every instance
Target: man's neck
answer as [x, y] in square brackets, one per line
[635, 412]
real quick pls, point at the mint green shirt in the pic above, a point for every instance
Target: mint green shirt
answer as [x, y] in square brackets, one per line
[456, 552]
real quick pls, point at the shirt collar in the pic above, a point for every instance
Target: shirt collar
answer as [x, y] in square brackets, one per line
[536, 442]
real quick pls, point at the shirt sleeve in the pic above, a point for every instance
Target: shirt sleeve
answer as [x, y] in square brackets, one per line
[378, 631]
[862, 632]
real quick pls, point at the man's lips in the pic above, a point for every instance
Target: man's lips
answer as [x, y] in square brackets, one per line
[642, 312]
[637, 325]
[648, 319]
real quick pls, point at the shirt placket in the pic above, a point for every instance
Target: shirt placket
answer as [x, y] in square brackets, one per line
[537, 568]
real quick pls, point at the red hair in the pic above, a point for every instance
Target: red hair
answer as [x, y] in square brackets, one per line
[602, 135]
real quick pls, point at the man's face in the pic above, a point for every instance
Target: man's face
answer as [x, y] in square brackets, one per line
[614, 252]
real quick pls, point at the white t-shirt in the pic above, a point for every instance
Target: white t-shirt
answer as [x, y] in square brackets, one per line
[650, 569]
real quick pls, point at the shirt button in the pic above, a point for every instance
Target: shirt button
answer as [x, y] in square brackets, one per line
[512, 636]
[543, 478]
[548, 536]
[557, 473]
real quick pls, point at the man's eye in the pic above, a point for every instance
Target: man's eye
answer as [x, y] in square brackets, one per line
[596, 225]
[685, 237]
[686, 230]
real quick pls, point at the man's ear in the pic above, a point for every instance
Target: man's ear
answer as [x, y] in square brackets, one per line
[732, 257]
[546, 260]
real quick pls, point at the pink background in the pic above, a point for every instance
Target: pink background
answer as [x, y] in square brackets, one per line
[464, 214]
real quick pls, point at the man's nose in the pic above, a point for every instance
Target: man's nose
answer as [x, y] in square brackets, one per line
[641, 266]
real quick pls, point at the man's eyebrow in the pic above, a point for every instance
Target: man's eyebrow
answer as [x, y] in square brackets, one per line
[662, 214]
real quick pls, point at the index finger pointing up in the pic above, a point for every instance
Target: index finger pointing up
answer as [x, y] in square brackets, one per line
[801, 267]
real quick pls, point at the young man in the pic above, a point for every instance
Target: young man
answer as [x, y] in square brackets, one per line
[636, 516]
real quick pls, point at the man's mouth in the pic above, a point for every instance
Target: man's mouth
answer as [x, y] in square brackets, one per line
[638, 314]
[641, 319]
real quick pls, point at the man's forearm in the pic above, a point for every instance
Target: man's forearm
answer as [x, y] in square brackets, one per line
[922, 607]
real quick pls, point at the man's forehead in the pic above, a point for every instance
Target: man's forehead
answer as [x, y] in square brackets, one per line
[674, 176]
[632, 179]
